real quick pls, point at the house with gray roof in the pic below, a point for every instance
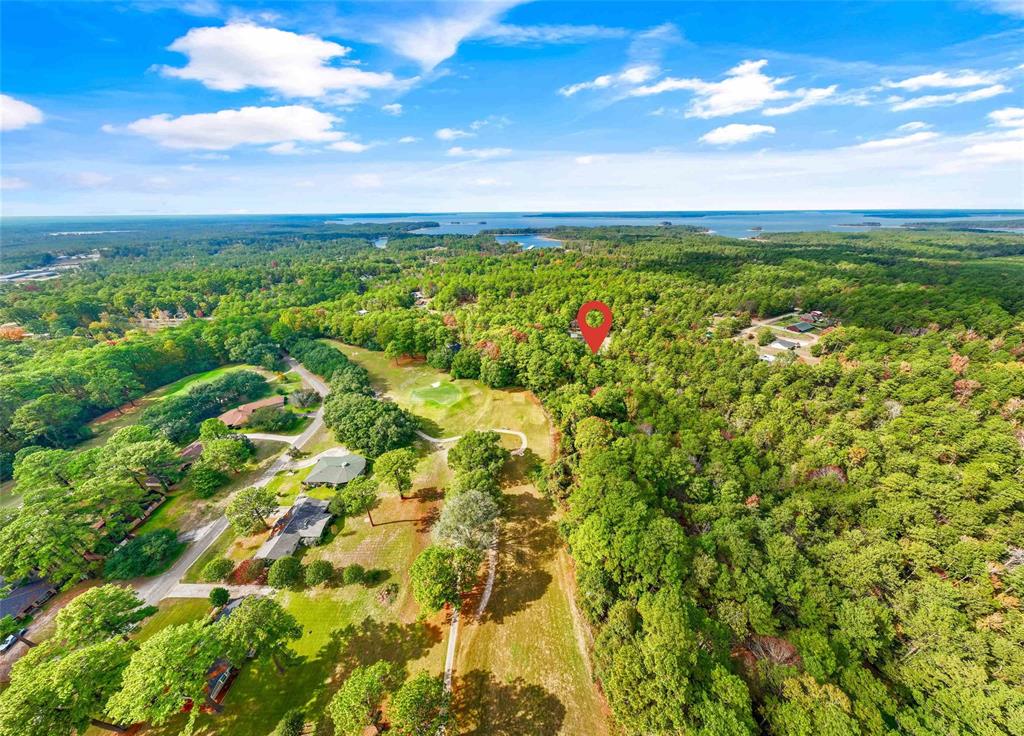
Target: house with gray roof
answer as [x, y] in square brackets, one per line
[335, 471]
[782, 344]
[305, 523]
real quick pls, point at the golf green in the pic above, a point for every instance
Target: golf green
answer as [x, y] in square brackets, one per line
[443, 394]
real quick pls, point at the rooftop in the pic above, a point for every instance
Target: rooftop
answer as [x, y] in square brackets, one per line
[336, 470]
[240, 415]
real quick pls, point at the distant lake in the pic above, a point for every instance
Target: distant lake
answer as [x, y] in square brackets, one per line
[529, 242]
[68, 231]
[730, 224]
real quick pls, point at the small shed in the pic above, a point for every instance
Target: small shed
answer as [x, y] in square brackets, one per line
[801, 327]
[783, 344]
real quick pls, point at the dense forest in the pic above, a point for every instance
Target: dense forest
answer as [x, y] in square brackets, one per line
[787, 548]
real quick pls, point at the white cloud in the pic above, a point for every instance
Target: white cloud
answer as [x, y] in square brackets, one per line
[451, 134]
[429, 40]
[394, 108]
[16, 114]
[1006, 7]
[12, 182]
[899, 141]
[346, 146]
[478, 152]
[966, 78]
[505, 33]
[219, 131]
[807, 98]
[497, 121]
[637, 74]
[242, 55]
[952, 98]
[1008, 117]
[915, 125]
[588, 159]
[368, 181]
[287, 148]
[486, 181]
[408, 139]
[89, 179]
[744, 88]
[729, 135]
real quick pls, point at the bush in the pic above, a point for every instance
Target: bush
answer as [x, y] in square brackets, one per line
[285, 573]
[304, 398]
[216, 570]
[765, 336]
[147, 554]
[271, 419]
[319, 572]
[206, 480]
[219, 597]
[250, 571]
[466, 364]
[292, 724]
[353, 574]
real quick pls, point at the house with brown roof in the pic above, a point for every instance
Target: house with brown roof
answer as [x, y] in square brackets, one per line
[239, 416]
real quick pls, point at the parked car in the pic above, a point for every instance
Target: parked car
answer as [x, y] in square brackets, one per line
[10, 641]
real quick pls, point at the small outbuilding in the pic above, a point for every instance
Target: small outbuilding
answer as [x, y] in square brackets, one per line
[801, 327]
[335, 471]
[783, 344]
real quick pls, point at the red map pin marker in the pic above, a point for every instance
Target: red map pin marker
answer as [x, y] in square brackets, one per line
[594, 335]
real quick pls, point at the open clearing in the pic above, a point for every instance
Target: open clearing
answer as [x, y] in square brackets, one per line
[519, 669]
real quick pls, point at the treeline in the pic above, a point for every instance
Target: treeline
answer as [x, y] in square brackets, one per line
[178, 417]
[53, 388]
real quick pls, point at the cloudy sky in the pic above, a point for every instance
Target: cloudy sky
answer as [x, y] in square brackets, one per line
[204, 106]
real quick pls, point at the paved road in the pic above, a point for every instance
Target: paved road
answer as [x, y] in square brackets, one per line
[154, 590]
[168, 585]
[444, 440]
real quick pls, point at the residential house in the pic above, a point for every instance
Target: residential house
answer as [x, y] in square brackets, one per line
[240, 416]
[782, 344]
[188, 456]
[801, 327]
[335, 471]
[305, 523]
[26, 598]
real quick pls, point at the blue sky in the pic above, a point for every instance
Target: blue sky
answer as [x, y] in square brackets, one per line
[206, 106]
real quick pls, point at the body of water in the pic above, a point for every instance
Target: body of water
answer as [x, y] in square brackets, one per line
[529, 242]
[730, 224]
[81, 231]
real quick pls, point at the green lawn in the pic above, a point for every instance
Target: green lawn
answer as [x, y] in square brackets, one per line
[183, 385]
[479, 408]
[444, 394]
[173, 611]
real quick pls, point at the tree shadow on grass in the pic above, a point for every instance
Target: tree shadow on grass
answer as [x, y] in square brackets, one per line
[519, 468]
[486, 707]
[358, 645]
[528, 541]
